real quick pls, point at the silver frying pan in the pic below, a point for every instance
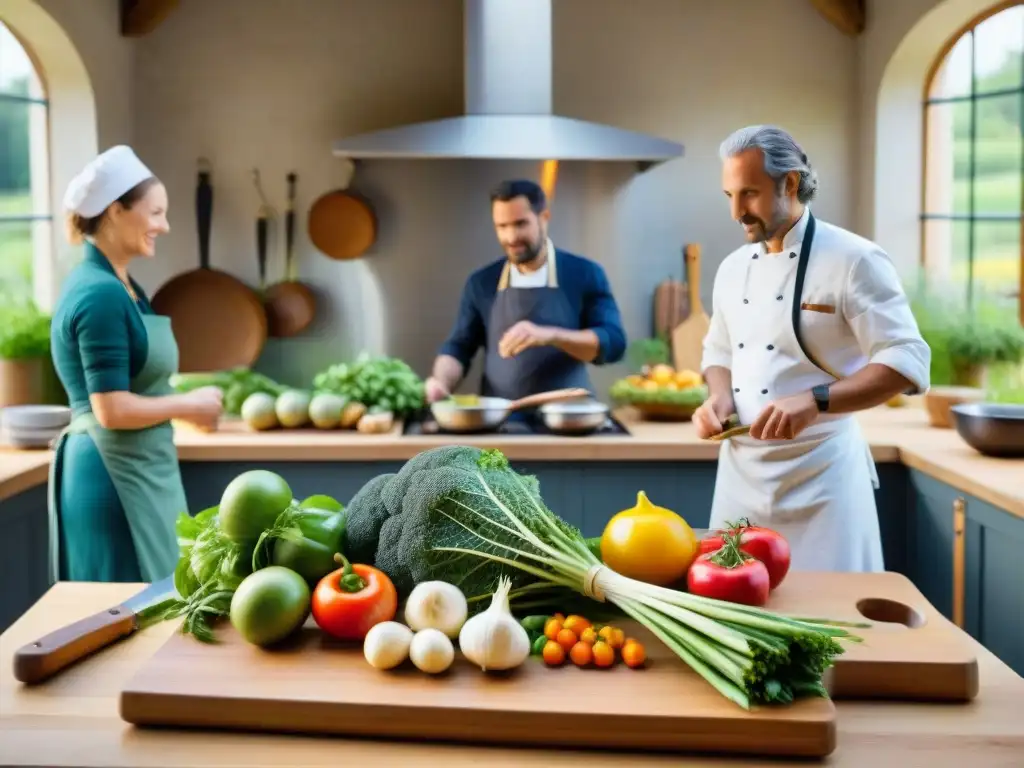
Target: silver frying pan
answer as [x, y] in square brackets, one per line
[470, 413]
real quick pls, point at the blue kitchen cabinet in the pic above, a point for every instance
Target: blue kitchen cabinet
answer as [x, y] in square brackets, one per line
[994, 580]
[930, 539]
[24, 553]
[965, 556]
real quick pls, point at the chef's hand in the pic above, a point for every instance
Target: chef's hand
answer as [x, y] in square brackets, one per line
[524, 335]
[712, 413]
[204, 407]
[785, 418]
[435, 390]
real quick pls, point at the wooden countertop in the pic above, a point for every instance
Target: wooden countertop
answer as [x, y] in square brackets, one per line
[73, 720]
[894, 434]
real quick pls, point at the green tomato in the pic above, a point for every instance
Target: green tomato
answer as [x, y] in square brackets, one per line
[269, 605]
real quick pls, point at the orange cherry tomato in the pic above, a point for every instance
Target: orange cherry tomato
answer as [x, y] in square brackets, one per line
[552, 627]
[566, 638]
[581, 654]
[604, 654]
[576, 623]
[633, 654]
[349, 601]
[553, 654]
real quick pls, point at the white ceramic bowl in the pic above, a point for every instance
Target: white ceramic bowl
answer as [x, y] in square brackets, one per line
[54, 417]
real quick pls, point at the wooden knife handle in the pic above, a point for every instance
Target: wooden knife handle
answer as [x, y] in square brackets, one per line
[35, 662]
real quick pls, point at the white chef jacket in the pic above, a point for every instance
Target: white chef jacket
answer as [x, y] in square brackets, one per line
[816, 489]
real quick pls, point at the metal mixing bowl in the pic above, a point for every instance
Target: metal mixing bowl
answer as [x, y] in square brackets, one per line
[994, 429]
[574, 417]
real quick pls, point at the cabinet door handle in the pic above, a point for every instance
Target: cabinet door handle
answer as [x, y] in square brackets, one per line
[959, 558]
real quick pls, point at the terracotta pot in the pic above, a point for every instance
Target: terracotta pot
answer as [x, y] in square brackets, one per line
[968, 375]
[938, 400]
[22, 382]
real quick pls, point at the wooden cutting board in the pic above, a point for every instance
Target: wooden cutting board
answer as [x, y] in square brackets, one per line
[316, 685]
[910, 652]
[688, 336]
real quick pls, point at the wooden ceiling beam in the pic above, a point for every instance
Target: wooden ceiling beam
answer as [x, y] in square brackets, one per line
[140, 17]
[848, 16]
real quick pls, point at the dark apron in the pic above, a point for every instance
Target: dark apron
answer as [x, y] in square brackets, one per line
[537, 369]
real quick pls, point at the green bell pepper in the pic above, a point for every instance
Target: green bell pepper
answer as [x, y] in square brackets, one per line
[308, 547]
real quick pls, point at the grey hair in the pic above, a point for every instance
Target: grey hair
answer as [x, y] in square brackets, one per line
[782, 155]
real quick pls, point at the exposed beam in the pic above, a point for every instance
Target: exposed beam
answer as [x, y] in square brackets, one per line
[140, 17]
[848, 16]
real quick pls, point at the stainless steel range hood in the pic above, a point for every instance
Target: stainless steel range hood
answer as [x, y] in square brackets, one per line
[508, 49]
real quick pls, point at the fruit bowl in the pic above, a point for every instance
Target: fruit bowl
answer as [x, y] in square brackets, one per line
[661, 393]
[665, 411]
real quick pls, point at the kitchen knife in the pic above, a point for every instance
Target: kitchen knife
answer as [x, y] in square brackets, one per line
[38, 661]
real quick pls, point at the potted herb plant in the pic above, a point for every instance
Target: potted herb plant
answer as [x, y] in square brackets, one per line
[966, 344]
[25, 368]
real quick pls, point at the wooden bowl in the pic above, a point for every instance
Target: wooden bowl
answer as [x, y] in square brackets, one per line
[664, 411]
[938, 401]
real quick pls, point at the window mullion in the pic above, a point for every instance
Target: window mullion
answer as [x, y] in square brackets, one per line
[971, 148]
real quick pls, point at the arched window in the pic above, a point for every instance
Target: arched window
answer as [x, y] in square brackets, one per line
[25, 208]
[974, 159]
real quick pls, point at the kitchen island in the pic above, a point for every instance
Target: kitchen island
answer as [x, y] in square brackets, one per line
[73, 720]
[952, 520]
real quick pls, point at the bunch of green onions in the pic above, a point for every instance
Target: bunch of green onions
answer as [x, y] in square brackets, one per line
[750, 655]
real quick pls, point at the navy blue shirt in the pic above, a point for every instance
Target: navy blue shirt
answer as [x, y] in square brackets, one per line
[585, 286]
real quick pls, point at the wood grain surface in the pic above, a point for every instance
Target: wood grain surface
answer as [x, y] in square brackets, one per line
[894, 434]
[315, 685]
[73, 720]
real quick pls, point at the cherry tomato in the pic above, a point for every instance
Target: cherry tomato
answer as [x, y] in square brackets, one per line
[768, 546]
[349, 601]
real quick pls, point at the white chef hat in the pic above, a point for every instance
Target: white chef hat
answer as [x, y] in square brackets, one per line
[104, 180]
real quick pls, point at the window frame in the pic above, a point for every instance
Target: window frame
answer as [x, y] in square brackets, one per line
[972, 97]
[34, 216]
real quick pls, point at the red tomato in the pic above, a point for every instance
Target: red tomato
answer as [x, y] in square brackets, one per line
[349, 601]
[746, 583]
[768, 546]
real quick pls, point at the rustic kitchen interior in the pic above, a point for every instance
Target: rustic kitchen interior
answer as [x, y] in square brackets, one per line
[345, 150]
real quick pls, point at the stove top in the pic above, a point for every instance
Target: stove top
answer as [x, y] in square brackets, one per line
[523, 425]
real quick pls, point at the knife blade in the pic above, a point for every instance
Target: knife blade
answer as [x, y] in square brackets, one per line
[38, 661]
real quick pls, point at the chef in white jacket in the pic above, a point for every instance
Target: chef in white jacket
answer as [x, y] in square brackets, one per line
[810, 323]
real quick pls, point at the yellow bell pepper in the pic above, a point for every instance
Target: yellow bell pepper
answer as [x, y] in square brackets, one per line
[649, 543]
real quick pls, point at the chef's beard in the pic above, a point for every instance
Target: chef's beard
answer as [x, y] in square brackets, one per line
[528, 254]
[767, 230]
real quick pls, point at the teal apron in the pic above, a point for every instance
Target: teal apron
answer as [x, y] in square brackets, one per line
[142, 463]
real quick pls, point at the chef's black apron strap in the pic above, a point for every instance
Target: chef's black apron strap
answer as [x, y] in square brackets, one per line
[798, 289]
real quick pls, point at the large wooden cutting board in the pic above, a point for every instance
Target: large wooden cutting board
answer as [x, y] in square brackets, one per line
[910, 652]
[315, 685]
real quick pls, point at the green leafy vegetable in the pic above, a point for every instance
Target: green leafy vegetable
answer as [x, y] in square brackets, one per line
[379, 383]
[236, 384]
[463, 515]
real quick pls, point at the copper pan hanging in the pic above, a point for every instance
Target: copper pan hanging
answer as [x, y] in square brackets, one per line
[290, 303]
[218, 321]
[342, 223]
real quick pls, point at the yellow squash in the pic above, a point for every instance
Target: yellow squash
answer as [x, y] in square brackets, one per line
[649, 543]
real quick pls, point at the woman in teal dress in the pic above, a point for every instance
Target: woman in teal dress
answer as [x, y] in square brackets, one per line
[115, 486]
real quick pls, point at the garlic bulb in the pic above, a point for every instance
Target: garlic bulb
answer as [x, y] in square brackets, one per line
[431, 651]
[436, 605]
[493, 639]
[386, 645]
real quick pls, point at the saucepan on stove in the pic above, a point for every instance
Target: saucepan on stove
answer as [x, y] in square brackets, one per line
[574, 417]
[471, 413]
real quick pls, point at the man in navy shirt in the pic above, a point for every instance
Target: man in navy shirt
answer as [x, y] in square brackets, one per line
[541, 314]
